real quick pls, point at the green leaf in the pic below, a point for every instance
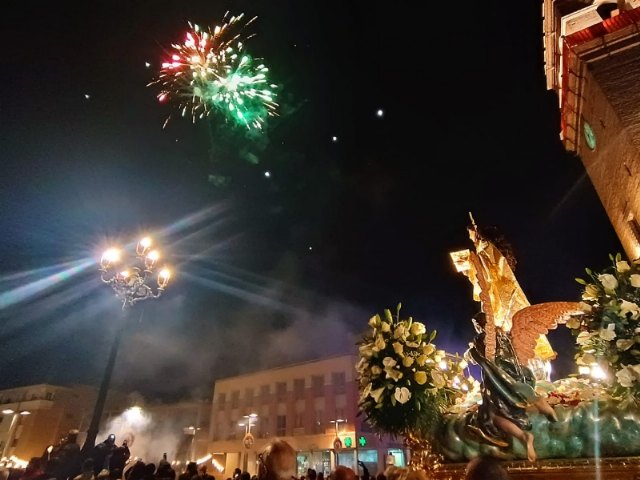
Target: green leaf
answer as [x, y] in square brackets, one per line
[388, 316]
[432, 335]
[581, 281]
[589, 272]
[611, 257]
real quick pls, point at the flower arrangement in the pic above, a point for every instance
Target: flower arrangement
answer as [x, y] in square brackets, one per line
[406, 383]
[608, 332]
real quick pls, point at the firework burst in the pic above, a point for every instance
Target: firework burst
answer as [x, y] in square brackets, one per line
[211, 72]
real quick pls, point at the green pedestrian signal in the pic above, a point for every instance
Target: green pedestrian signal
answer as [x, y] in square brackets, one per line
[348, 442]
[362, 441]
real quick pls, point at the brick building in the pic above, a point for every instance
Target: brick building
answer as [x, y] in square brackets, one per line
[312, 405]
[591, 62]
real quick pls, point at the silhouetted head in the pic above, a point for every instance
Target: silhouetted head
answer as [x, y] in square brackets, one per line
[343, 473]
[485, 468]
[277, 462]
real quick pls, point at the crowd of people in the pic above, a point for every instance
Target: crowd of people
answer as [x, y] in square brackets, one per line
[278, 461]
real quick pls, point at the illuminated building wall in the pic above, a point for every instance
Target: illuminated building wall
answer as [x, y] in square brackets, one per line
[591, 52]
[298, 404]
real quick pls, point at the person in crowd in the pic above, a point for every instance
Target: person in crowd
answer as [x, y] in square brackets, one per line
[343, 473]
[119, 459]
[149, 471]
[190, 471]
[136, 472]
[33, 469]
[320, 476]
[86, 471]
[277, 461]
[51, 470]
[165, 471]
[311, 474]
[236, 473]
[203, 475]
[102, 454]
[245, 476]
[381, 476]
[485, 468]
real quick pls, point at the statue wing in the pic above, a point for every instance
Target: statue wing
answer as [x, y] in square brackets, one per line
[531, 324]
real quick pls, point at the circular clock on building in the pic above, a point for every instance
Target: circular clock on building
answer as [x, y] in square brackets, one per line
[589, 136]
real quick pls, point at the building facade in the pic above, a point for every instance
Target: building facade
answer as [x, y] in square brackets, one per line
[36, 416]
[591, 61]
[311, 405]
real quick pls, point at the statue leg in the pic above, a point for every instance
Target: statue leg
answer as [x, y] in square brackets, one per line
[543, 407]
[513, 430]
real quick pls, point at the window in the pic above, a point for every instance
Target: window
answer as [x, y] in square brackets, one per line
[281, 425]
[298, 388]
[317, 385]
[235, 399]
[339, 381]
[263, 424]
[318, 424]
[222, 399]
[264, 391]
[281, 390]
[248, 397]
[299, 421]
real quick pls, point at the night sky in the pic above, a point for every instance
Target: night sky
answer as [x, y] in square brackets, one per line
[287, 267]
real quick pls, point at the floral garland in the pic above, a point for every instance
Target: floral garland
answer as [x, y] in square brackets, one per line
[405, 383]
[608, 332]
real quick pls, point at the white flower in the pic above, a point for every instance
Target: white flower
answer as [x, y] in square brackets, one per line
[402, 395]
[399, 332]
[608, 333]
[428, 349]
[366, 391]
[438, 379]
[625, 377]
[418, 328]
[629, 307]
[583, 338]
[622, 266]
[398, 348]
[585, 307]
[407, 361]
[366, 350]
[608, 281]
[573, 322]
[591, 292]
[586, 359]
[380, 344]
[376, 394]
[389, 362]
[635, 280]
[624, 344]
[376, 370]
[385, 327]
[393, 374]
[373, 321]
[463, 364]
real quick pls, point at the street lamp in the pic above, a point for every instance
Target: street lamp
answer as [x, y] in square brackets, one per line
[131, 283]
[248, 440]
[17, 414]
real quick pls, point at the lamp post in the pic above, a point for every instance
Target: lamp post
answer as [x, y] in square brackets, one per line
[247, 440]
[131, 285]
[337, 443]
[17, 414]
